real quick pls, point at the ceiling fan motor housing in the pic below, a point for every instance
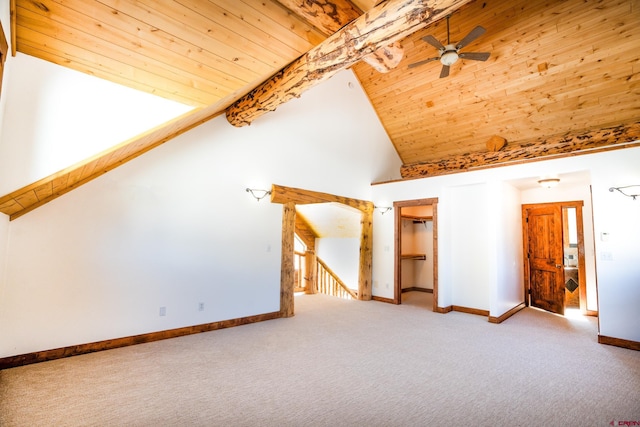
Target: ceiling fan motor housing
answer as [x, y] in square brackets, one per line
[449, 55]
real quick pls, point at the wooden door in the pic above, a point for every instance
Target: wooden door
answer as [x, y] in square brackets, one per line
[545, 256]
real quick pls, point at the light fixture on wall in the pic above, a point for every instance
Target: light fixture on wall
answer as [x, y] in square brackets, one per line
[258, 194]
[549, 182]
[633, 196]
[383, 209]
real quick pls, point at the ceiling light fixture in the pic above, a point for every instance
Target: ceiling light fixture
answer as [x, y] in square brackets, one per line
[549, 182]
[258, 194]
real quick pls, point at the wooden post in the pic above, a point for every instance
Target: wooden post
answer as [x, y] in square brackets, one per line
[287, 271]
[366, 254]
[310, 272]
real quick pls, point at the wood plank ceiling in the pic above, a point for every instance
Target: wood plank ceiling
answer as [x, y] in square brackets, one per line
[557, 69]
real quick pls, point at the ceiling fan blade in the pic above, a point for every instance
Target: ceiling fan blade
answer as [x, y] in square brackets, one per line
[445, 71]
[433, 42]
[415, 64]
[474, 34]
[476, 56]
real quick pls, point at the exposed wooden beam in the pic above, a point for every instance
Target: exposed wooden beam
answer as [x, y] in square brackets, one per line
[282, 194]
[366, 256]
[13, 25]
[329, 16]
[287, 267]
[305, 232]
[568, 144]
[382, 26]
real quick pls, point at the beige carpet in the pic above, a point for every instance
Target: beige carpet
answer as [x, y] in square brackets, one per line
[342, 363]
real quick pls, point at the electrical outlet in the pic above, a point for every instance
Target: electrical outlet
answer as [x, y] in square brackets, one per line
[200, 306]
[163, 311]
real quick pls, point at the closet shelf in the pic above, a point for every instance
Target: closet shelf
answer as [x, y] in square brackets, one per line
[417, 218]
[417, 257]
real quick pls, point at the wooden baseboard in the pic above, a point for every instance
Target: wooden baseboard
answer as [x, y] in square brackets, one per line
[619, 342]
[443, 310]
[415, 289]
[506, 315]
[59, 353]
[470, 310]
[382, 299]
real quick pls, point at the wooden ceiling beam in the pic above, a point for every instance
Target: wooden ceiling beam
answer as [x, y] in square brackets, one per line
[281, 194]
[329, 16]
[564, 145]
[380, 27]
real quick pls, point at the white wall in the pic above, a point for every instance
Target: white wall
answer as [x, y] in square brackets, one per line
[175, 227]
[67, 117]
[507, 290]
[342, 255]
[617, 279]
[618, 256]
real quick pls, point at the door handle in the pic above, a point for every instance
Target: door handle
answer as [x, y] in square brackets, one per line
[558, 265]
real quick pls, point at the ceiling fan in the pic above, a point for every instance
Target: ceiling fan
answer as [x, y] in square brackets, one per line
[450, 53]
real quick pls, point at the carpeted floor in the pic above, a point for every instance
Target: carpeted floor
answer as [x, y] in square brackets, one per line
[343, 363]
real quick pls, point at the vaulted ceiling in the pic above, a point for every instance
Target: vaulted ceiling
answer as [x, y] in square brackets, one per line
[563, 76]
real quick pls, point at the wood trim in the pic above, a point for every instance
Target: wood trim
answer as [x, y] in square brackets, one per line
[582, 275]
[366, 255]
[470, 310]
[287, 266]
[381, 26]
[59, 353]
[554, 147]
[619, 342]
[397, 211]
[282, 194]
[505, 316]
[416, 289]
[443, 310]
[383, 299]
[13, 26]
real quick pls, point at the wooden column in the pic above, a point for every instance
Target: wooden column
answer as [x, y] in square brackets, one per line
[287, 269]
[310, 273]
[366, 254]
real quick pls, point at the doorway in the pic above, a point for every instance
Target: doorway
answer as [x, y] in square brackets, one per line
[554, 265]
[416, 248]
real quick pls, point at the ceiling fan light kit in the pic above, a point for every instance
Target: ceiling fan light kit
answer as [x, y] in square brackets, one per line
[449, 54]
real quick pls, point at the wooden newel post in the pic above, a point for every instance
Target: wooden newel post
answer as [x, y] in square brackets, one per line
[287, 271]
[310, 273]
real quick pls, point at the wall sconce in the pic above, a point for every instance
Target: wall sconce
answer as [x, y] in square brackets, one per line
[258, 194]
[383, 209]
[549, 182]
[619, 189]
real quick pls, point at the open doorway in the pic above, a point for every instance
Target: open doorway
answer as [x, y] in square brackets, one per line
[416, 252]
[554, 264]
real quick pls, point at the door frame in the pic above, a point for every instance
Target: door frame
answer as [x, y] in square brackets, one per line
[397, 207]
[582, 280]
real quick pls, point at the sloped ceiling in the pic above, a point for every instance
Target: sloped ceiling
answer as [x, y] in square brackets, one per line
[563, 76]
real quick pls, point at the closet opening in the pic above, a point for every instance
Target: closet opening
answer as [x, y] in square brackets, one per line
[416, 252]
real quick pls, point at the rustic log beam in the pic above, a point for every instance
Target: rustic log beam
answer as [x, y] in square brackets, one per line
[366, 255]
[386, 58]
[281, 194]
[305, 232]
[381, 26]
[329, 16]
[568, 144]
[287, 267]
